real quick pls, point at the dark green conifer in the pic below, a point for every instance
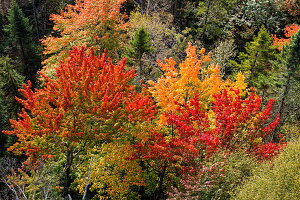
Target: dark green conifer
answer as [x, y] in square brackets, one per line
[21, 37]
[140, 44]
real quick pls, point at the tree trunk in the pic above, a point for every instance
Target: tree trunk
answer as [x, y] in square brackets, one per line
[67, 175]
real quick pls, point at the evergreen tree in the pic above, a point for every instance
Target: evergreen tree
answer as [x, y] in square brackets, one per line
[10, 81]
[21, 37]
[289, 102]
[140, 44]
[257, 62]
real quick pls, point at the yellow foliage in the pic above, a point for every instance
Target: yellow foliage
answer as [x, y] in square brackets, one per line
[193, 75]
[112, 172]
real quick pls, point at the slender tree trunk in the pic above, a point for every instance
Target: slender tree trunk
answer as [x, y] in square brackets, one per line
[67, 175]
[142, 188]
[283, 99]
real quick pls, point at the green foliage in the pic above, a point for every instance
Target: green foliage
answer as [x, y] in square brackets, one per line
[250, 15]
[277, 181]
[257, 61]
[213, 18]
[10, 81]
[140, 44]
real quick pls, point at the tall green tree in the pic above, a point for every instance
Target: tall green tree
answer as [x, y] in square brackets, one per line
[20, 34]
[289, 103]
[140, 44]
[257, 62]
[10, 81]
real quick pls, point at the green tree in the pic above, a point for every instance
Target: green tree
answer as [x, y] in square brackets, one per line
[257, 62]
[10, 81]
[140, 44]
[20, 35]
[289, 103]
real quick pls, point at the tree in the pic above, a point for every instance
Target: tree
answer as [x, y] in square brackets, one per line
[194, 75]
[213, 18]
[251, 15]
[86, 23]
[88, 106]
[10, 82]
[20, 34]
[140, 45]
[290, 60]
[256, 62]
[231, 124]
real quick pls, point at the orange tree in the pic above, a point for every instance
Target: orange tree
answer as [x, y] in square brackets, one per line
[71, 118]
[96, 23]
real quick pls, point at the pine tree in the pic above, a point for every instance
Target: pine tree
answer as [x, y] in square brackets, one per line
[257, 61]
[10, 81]
[20, 34]
[140, 45]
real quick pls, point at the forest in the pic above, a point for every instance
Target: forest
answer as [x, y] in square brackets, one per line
[149, 99]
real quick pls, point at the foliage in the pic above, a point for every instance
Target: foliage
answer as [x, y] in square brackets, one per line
[291, 6]
[289, 107]
[229, 120]
[10, 82]
[213, 18]
[86, 23]
[251, 15]
[224, 52]
[289, 32]
[217, 179]
[194, 75]
[162, 35]
[282, 178]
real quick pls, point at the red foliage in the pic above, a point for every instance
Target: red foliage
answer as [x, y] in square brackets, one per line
[236, 124]
[88, 93]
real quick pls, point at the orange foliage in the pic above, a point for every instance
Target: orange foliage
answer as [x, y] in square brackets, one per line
[194, 75]
[96, 23]
[89, 94]
[289, 32]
